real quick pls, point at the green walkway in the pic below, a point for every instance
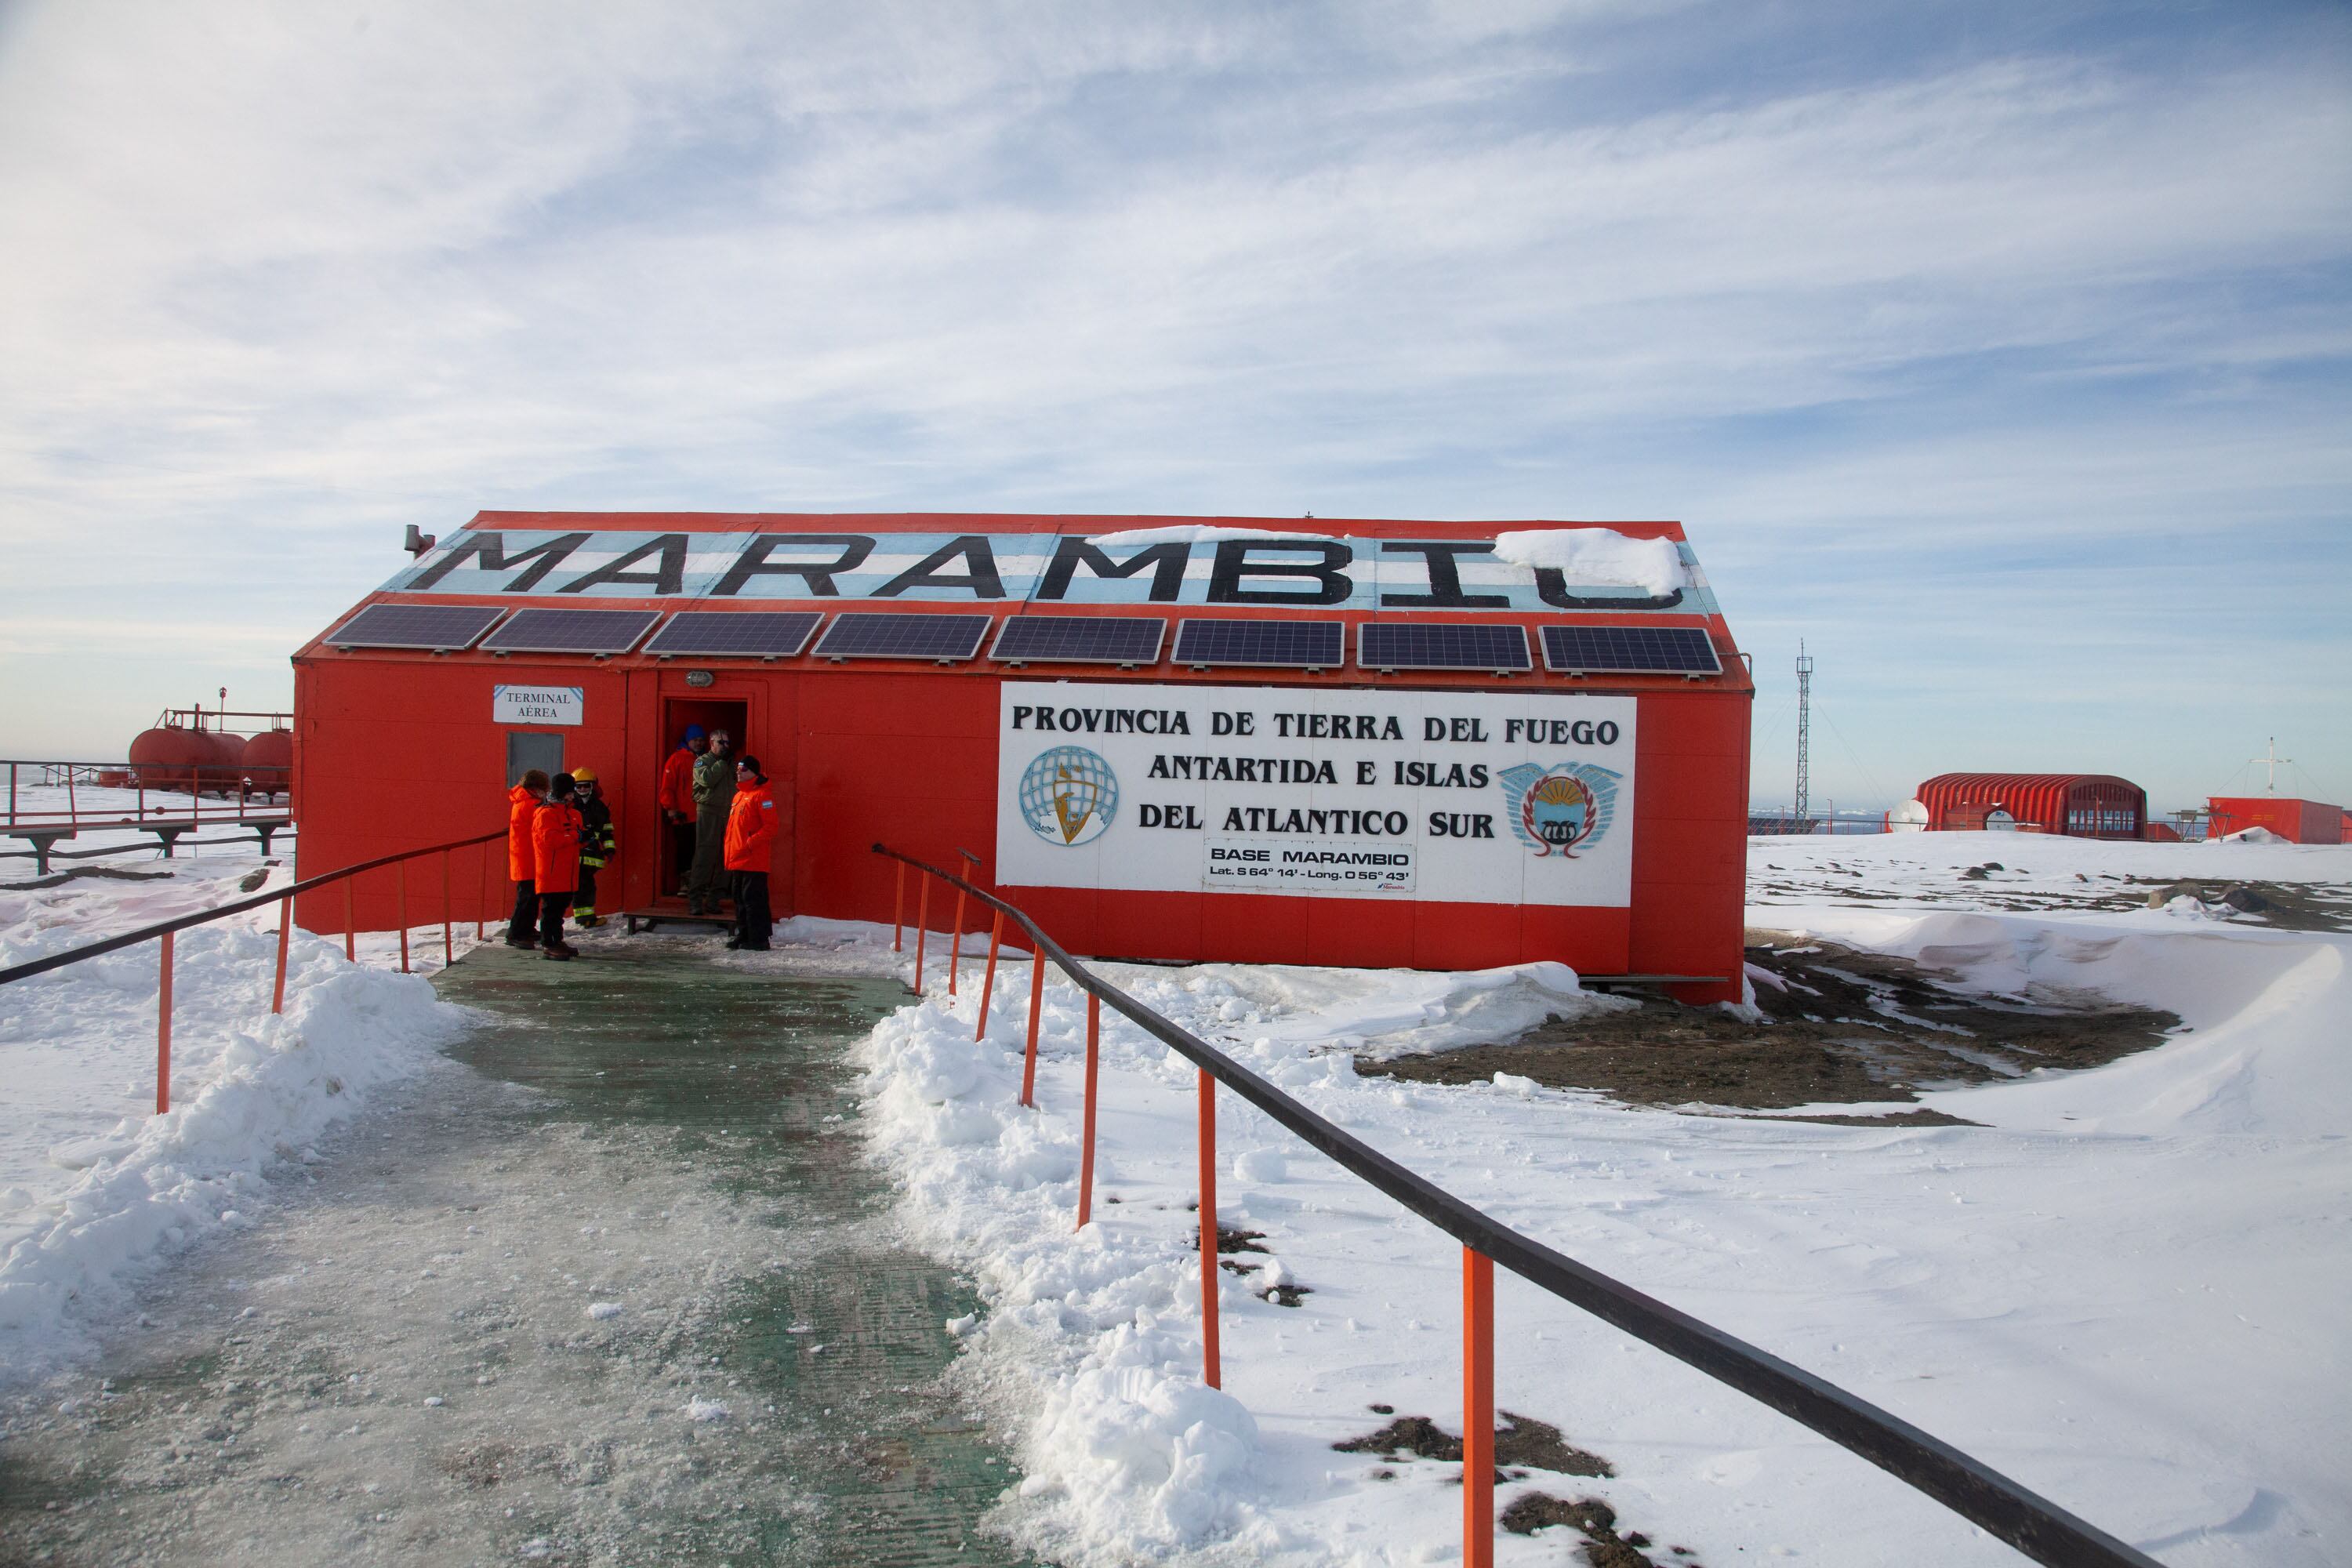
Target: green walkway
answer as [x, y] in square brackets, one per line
[624, 1292]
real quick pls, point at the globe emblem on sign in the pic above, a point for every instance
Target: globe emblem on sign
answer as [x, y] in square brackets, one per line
[1068, 795]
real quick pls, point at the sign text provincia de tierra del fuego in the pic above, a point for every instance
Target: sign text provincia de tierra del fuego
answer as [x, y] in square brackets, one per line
[1457, 797]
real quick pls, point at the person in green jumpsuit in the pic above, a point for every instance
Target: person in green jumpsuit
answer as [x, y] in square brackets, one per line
[714, 796]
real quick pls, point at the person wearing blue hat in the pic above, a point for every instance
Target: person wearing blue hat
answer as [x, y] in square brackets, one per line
[677, 798]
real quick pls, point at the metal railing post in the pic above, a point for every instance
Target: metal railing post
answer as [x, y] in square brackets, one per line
[284, 924]
[448, 945]
[1029, 1059]
[922, 928]
[350, 948]
[400, 907]
[481, 909]
[163, 1030]
[955, 944]
[898, 912]
[1086, 1150]
[988, 980]
[1212, 1370]
[1477, 1409]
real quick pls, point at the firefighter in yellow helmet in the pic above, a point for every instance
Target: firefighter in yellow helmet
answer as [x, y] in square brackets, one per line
[596, 842]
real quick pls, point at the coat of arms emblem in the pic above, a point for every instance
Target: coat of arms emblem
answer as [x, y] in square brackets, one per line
[1557, 810]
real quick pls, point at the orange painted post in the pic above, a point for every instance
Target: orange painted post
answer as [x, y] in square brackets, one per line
[899, 913]
[400, 906]
[922, 928]
[1477, 1409]
[1212, 1369]
[988, 981]
[351, 949]
[284, 925]
[955, 944]
[1036, 999]
[1086, 1149]
[164, 1031]
[448, 956]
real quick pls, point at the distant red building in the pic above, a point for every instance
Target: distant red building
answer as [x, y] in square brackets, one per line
[2297, 821]
[2078, 805]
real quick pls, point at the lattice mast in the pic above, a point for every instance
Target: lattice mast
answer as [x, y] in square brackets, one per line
[1804, 732]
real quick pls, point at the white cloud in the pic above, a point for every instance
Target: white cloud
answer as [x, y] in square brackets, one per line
[283, 276]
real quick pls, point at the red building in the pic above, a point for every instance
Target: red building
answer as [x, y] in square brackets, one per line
[2297, 821]
[2079, 806]
[1364, 743]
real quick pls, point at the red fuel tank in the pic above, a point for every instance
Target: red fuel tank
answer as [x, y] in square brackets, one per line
[269, 762]
[169, 758]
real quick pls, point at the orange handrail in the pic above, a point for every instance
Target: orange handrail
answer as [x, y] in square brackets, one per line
[164, 931]
[2008, 1512]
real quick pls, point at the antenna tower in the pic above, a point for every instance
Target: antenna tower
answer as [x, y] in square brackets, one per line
[2271, 760]
[1804, 732]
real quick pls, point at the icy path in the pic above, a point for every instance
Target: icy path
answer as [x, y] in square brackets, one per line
[613, 1287]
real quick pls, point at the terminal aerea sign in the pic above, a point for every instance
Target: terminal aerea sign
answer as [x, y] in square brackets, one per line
[538, 704]
[1451, 797]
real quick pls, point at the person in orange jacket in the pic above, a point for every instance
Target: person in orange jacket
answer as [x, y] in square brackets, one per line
[555, 864]
[752, 830]
[522, 804]
[676, 799]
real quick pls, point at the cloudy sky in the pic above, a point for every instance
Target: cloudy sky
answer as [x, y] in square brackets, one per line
[1998, 351]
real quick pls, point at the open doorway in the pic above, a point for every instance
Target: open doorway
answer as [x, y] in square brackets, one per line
[678, 839]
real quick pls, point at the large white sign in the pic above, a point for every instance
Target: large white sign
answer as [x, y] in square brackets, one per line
[538, 704]
[1449, 798]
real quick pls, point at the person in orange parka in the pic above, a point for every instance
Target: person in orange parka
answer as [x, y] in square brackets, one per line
[522, 804]
[751, 839]
[676, 797]
[555, 864]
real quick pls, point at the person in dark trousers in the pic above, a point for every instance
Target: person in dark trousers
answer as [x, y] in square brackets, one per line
[751, 841]
[714, 793]
[676, 797]
[596, 842]
[555, 863]
[522, 804]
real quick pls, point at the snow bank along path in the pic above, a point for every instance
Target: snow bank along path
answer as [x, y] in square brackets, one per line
[2128, 1296]
[93, 1190]
[605, 1287]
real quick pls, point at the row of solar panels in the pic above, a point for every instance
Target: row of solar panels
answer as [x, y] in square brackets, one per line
[1125, 640]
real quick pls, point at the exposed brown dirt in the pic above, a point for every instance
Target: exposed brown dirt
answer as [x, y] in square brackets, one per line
[1521, 1443]
[1597, 1522]
[1840, 1026]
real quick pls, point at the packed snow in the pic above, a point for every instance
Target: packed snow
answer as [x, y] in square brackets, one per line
[2123, 1289]
[95, 1188]
[1597, 557]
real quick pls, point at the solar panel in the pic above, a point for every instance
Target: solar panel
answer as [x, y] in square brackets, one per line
[571, 631]
[748, 634]
[1669, 650]
[946, 638]
[436, 627]
[1442, 645]
[1080, 639]
[1294, 645]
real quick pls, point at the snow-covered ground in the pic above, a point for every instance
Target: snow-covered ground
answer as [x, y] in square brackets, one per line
[2124, 1289]
[95, 1188]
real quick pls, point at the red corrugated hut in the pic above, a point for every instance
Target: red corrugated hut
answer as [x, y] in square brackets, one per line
[2297, 821]
[2077, 805]
[1367, 742]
